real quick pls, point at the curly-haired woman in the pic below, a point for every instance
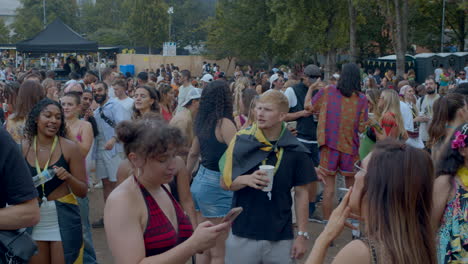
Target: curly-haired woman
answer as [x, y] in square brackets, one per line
[58, 234]
[214, 129]
[143, 221]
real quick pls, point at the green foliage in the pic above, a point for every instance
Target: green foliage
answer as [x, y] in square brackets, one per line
[188, 21]
[425, 23]
[29, 17]
[148, 22]
[243, 29]
[4, 32]
[110, 36]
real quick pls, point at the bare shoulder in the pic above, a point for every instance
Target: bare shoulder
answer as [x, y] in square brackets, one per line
[86, 124]
[68, 145]
[355, 252]
[124, 195]
[442, 184]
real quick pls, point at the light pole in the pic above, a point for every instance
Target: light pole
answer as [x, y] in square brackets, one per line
[44, 10]
[170, 11]
[443, 28]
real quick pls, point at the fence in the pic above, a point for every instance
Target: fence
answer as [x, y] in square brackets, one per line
[192, 63]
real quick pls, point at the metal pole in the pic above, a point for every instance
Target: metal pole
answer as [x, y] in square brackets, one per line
[170, 20]
[443, 28]
[44, 9]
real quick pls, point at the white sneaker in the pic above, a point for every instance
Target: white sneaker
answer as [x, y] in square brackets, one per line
[98, 185]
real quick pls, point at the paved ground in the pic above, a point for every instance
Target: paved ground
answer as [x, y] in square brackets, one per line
[105, 257]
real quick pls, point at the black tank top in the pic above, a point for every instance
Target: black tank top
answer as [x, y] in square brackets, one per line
[53, 184]
[211, 151]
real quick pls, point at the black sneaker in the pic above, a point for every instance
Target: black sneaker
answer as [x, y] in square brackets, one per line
[98, 224]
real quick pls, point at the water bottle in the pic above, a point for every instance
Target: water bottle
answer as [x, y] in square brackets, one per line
[43, 177]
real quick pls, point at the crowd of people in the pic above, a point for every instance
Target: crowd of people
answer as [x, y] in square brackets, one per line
[230, 170]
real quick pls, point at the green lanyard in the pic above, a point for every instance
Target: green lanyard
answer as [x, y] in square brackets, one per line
[38, 168]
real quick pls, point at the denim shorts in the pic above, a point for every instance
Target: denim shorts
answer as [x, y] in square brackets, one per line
[208, 196]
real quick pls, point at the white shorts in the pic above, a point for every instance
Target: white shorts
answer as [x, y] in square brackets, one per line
[48, 227]
[107, 169]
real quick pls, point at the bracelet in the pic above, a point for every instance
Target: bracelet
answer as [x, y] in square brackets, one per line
[303, 234]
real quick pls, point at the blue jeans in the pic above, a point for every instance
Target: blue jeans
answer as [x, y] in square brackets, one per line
[208, 196]
[89, 256]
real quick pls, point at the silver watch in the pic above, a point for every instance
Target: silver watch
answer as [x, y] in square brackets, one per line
[304, 234]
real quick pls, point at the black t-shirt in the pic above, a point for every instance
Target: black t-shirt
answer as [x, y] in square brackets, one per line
[264, 219]
[306, 126]
[16, 184]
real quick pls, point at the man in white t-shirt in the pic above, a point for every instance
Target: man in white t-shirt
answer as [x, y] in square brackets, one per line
[408, 122]
[184, 89]
[121, 95]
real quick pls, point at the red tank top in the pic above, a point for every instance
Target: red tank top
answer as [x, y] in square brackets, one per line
[160, 236]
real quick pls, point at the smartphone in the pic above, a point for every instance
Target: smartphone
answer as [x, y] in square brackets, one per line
[292, 124]
[232, 215]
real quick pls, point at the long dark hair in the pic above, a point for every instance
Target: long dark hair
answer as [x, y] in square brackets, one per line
[451, 159]
[398, 190]
[350, 80]
[444, 110]
[215, 104]
[29, 93]
[30, 128]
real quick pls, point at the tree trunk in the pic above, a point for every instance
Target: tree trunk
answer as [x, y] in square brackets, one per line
[330, 64]
[401, 35]
[461, 16]
[353, 51]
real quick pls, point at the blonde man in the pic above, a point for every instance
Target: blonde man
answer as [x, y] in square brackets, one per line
[266, 222]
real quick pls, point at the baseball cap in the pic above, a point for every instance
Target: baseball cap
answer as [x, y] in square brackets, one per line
[312, 71]
[207, 78]
[195, 93]
[273, 78]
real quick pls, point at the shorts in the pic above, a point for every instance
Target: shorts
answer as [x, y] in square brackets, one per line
[48, 227]
[107, 169]
[250, 251]
[314, 150]
[208, 196]
[332, 161]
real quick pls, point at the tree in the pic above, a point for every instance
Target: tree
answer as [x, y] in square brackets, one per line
[148, 22]
[4, 33]
[188, 21]
[109, 36]
[318, 26]
[426, 16]
[29, 17]
[352, 31]
[243, 29]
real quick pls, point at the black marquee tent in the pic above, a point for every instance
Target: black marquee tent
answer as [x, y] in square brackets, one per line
[57, 38]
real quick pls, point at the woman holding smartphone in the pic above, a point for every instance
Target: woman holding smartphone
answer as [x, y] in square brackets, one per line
[143, 222]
